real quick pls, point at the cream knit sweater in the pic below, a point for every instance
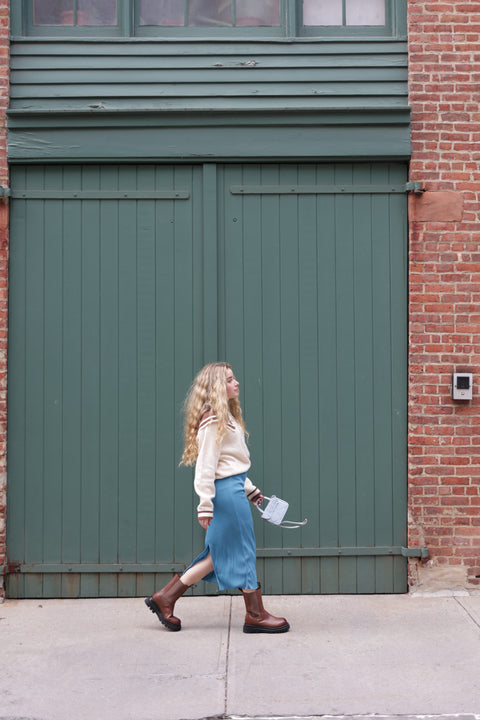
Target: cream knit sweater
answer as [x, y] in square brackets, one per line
[219, 460]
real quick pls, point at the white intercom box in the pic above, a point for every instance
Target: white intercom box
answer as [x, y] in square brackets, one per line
[462, 386]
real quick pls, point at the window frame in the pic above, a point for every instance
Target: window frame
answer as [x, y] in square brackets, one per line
[70, 31]
[197, 31]
[290, 27]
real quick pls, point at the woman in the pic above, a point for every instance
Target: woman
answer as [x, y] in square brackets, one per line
[215, 444]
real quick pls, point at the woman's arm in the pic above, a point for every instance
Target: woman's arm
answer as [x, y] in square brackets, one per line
[252, 492]
[205, 468]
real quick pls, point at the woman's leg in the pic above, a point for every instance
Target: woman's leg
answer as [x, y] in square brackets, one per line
[197, 571]
[162, 603]
[257, 619]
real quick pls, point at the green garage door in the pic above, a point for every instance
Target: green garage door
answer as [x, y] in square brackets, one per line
[123, 281]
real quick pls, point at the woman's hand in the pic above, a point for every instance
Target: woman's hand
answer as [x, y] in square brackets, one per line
[259, 499]
[204, 522]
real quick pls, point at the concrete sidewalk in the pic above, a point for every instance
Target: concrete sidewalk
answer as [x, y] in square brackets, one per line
[344, 656]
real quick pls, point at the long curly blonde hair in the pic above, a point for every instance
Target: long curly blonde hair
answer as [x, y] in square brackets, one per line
[208, 393]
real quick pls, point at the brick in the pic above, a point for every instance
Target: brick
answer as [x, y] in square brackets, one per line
[444, 273]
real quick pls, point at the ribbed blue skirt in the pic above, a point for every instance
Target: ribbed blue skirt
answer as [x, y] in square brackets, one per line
[230, 538]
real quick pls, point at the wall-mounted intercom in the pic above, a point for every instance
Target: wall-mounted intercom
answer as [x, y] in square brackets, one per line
[462, 386]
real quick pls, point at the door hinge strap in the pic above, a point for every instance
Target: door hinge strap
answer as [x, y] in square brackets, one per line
[320, 189]
[367, 551]
[421, 552]
[415, 187]
[100, 194]
[41, 568]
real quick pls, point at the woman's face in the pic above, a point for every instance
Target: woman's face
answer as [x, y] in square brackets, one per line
[233, 386]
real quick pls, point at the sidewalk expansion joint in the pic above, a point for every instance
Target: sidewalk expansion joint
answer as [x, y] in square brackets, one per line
[227, 656]
[475, 621]
[449, 716]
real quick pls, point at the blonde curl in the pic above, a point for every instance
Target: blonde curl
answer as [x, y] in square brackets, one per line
[208, 394]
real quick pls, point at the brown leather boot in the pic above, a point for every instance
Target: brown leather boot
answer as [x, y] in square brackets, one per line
[163, 602]
[257, 619]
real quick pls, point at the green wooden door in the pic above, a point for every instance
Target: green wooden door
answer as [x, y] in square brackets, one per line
[123, 281]
[313, 299]
[103, 343]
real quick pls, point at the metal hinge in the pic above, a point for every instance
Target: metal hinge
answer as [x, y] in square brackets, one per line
[421, 552]
[366, 551]
[414, 187]
[4, 191]
[100, 194]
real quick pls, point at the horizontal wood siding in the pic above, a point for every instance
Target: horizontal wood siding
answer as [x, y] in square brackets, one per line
[136, 75]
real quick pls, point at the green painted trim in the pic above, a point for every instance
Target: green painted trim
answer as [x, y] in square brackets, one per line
[207, 143]
[133, 118]
[132, 136]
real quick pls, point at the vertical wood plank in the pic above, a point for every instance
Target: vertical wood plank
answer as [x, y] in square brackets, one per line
[109, 386]
[309, 381]
[88, 240]
[127, 371]
[34, 385]
[53, 385]
[165, 363]
[146, 380]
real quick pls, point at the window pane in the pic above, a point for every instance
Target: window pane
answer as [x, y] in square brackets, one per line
[365, 12]
[161, 12]
[92, 12]
[323, 12]
[210, 12]
[254, 12]
[53, 12]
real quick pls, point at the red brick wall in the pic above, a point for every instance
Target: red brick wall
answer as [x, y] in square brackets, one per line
[4, 75]
[444, 435]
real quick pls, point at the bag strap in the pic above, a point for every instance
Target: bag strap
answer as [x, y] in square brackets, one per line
[291, 525]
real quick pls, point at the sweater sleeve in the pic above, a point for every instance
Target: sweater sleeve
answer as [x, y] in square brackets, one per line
[251, 491]
[206, 466]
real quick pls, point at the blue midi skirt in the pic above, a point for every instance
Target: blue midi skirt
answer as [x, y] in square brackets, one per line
[230, 538]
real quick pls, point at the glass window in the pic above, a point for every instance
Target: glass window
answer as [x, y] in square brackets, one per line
[92, 12]
[209, 13]
[75, 12]
[56, 12]
[322, 12]
[203, 13]
[253, 12]
[161, 12]
[359, 12]
[209, 18]
[343, 12]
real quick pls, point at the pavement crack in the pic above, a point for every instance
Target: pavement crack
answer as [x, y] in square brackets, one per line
[472, 618]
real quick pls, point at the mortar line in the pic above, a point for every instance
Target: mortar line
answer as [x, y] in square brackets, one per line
[472, 618]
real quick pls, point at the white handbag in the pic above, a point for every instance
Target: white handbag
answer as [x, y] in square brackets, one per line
[275, 511]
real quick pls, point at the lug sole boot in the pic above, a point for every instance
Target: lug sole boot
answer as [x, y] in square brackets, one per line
[257, 619]
[163, 602]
